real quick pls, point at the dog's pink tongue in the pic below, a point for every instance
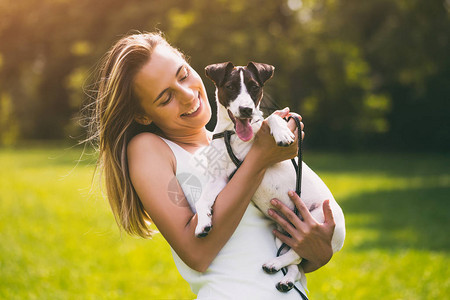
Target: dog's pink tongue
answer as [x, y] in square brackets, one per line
[244, 130]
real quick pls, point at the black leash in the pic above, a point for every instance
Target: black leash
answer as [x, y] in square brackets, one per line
[298, 170]
[227, 138]
[298, 190]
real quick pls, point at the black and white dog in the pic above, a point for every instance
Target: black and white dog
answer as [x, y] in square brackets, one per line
[239, 91]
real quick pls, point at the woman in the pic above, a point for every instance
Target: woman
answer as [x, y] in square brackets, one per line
[149, 120]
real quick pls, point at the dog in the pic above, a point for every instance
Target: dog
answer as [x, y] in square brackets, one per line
[239, 91]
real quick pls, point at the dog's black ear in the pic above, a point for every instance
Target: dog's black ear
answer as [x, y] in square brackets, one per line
[217, 72]
[263, 72]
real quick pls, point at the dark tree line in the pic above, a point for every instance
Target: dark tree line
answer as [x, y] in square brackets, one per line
[363, 74]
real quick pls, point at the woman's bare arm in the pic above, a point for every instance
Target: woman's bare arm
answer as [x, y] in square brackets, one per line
[151, 165]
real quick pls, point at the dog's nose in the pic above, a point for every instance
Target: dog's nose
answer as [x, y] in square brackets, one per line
[245, 112]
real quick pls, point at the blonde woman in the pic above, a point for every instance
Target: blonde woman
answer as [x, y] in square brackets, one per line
[149, 119]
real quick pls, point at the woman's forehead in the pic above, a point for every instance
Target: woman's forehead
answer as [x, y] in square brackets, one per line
[161, 68]
[166, 54]
[163, 61]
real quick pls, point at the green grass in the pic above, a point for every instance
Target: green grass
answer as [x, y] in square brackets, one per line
[58, 240]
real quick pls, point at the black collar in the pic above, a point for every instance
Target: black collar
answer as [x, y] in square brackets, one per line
[227, 136]
[222, 134]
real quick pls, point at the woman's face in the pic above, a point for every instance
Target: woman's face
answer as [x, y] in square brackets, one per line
[171, 93]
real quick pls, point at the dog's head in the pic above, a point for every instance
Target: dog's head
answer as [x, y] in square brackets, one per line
[240, 90]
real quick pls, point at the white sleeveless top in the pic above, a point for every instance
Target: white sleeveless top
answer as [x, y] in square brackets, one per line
[236, 272]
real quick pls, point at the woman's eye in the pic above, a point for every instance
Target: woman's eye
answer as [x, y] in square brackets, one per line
[186, 74]
[169, 97]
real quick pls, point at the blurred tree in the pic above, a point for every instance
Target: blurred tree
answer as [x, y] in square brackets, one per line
[8, 124]
[363, 74]
[406, 44]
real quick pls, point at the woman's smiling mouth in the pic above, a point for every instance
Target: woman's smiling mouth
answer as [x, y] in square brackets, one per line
[194, 109]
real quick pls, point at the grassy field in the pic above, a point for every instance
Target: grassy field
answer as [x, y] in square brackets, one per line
[58, 240]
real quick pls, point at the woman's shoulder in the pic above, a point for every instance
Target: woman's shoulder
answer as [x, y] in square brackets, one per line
[145, 139]
[149, 144]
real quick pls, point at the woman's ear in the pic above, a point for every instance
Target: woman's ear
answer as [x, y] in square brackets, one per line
[143, 120]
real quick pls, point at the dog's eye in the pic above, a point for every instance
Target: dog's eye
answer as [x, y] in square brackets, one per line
[229, 87]
[254, 88]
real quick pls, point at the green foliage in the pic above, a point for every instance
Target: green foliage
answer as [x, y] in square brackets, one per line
[60, 241]
[363, 74]
[8, 124]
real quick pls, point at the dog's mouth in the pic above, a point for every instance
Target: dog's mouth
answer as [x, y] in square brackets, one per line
[242, 126]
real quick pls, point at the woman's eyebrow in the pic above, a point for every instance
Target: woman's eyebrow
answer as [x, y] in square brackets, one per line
[162, 93]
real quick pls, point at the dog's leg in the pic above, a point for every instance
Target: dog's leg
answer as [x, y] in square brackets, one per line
[288, 258]
[287, 283]
[280, 131]
[204, 207]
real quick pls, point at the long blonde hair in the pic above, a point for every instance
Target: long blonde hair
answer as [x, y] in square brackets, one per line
[112, 125]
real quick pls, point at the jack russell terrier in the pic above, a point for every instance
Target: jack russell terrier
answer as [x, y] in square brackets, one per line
[239, 91]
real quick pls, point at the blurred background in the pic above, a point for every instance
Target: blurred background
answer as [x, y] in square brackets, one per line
[370, 78]
[363, 74]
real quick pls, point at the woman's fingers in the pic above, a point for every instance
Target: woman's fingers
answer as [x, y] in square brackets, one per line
[328, 213]
[288, 213]
[302, 209]
[282, 113]
[292, 125]
[292, 122]
[283, 238]
[280, 220]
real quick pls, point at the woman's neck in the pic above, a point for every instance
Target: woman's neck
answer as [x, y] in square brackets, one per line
[191, 140]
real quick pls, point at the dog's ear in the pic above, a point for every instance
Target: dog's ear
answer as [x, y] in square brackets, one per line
[263, 72]
[217, 72]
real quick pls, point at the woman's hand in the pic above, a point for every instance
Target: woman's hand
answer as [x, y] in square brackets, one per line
[266, 148]
[310, 239]
[286, 113]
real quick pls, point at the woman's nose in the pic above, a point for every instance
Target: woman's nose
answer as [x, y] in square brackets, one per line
[187, 94]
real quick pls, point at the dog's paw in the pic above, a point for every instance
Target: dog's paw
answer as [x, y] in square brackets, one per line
[283, 136]
[204, 225]
[285, 286]
[270, 268]
[204, 222]
[202, 231]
